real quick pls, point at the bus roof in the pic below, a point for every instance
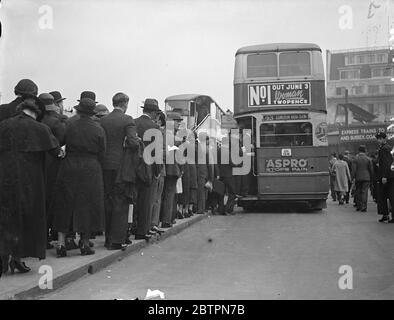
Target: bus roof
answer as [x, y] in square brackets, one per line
[188, 96]
[271, 47]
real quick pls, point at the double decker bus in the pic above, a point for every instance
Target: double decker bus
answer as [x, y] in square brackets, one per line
[200, 113]
[279, 93]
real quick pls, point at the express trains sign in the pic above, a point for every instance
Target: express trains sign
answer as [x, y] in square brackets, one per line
[279, 94]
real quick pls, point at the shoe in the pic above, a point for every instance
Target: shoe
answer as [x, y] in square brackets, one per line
[157, 230]
[358, 209]
[166, 225]
[91, 244]
[391, 221]
[152, 233]
[71, 245]
[128, 241]
[144, 237]
[363, 210]
[179, 215]
[384, 219]
[86, 251]
[18, 265]
[117, 246]
[191, 214]
[61, 252]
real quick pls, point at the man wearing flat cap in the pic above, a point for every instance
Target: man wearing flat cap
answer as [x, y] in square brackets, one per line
[146, 184]
[25, 88]
[385, 178]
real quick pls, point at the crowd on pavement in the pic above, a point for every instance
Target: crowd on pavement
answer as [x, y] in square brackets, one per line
[67, 178]
[360, 174]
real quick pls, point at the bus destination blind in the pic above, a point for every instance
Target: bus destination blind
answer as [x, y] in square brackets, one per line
[279, 94]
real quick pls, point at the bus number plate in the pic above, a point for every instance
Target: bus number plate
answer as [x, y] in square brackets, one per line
[279, 94]
[286, 152]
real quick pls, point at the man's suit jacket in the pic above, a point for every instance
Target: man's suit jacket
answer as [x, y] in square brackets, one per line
[8, 110]
[143, 124]
[362, 168]
[120, 130]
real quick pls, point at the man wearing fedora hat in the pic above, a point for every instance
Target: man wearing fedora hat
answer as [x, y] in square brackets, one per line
[120, 131]
[144, 208]
[79, 193]
[58, 100]
[25, 88]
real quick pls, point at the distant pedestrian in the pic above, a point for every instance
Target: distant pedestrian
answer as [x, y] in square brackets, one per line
[342, 178]
[385, 178]
[331, 162]
[362, 175]
[348, 160]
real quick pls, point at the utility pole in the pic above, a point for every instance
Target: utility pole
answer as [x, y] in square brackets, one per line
[346, 108]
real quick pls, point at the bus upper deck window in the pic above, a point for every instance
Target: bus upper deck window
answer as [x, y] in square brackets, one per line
[294, 64]
[262, 65]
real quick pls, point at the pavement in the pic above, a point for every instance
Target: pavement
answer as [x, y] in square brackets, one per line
[74, 266]
[292, 254]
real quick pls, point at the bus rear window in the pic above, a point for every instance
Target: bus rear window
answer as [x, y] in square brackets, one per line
[286, 134]
[294, 64]
[262, 65]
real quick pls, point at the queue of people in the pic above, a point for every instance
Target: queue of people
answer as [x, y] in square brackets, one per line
[362, 174]
[85, 175]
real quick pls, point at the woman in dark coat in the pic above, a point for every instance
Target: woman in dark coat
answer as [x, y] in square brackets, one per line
[78, 204]
[24, 142]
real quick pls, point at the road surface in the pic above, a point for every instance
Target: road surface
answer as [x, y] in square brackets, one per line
[257, 256]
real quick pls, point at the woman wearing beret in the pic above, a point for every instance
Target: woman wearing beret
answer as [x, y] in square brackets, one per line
[24, 142]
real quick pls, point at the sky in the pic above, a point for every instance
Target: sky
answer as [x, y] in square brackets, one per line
[159, 48]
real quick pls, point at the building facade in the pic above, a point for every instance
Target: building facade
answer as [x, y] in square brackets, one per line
[368, 106]
[366, 74]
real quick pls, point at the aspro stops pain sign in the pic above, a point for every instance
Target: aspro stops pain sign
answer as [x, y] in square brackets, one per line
[286, 165]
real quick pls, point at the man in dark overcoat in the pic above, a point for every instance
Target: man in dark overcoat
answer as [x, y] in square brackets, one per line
[362, 173]
[56, 122]
[385, 177]
[173, 172]
[120, 131]
[145, 188]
